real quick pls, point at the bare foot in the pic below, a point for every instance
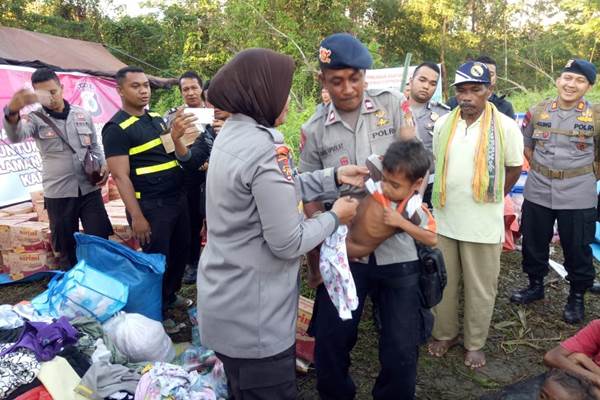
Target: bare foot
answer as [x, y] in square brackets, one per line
[438, 348]
[474, 359]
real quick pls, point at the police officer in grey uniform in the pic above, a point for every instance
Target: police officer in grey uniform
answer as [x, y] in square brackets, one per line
[68, 195]
[356, 124]
[248, 273]
[425, 112]
[561, 145]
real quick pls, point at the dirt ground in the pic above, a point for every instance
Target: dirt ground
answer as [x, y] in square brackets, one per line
[519, 337]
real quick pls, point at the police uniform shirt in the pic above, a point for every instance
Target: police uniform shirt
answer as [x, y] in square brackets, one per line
[258, 234]
[425, 118]
[562, 140]
[327, 141]
[62, 174]
[154, 173]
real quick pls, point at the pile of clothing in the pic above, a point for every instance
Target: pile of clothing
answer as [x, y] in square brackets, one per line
[125, 358]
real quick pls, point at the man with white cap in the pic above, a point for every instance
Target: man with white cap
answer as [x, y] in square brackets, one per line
[479, 153]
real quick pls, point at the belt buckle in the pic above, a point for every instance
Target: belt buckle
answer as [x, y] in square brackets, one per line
[557, 174]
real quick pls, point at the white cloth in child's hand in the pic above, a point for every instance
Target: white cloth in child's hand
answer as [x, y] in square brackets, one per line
[336, 274]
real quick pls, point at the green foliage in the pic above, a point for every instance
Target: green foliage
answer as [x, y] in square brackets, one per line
[523, 101]
[297, 116]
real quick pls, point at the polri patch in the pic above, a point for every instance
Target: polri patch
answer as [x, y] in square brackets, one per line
[283, 161]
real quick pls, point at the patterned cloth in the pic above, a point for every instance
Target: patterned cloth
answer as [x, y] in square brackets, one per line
[336, 273]
[16, 368]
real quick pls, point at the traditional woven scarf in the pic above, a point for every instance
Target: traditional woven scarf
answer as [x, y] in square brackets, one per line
[488, 177]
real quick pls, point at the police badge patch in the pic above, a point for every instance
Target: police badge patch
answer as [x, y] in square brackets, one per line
[283, 161]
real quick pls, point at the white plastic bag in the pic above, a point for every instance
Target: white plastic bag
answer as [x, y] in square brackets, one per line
[139, 338]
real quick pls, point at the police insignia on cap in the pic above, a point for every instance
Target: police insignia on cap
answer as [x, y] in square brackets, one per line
[324, 55]
[477, 70]
[569, 63]
[434, 116]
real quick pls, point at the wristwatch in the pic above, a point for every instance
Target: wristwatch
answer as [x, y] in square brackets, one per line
[8, 113]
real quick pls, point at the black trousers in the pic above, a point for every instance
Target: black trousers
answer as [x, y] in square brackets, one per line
[404, 325]
[271, 378]
[576, 229]
[170, 227]
[196, 211]
[64, 215]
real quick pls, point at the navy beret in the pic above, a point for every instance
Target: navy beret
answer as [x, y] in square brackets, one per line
[342, 50]
[581, 67]
[472, 72]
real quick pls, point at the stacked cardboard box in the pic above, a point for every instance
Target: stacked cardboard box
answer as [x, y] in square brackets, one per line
[37, 199]
[305, 345]
[118, 219]
[113, 191]
[26, 246]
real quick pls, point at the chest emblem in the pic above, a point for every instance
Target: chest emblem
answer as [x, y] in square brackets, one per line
[546, 135]
[544, 115]
[382, 122]
[586, 116]
[581, 146]
[380, 114]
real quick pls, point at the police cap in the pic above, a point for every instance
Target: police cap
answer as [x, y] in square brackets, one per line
[472, 72]
[581, 67]
[342, 50]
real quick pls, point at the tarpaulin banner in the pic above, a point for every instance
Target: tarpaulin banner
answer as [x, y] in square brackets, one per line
[20, 163]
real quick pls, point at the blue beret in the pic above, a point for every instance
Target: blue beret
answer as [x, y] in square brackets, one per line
[342, 50]
[472, 72]
[581, 67]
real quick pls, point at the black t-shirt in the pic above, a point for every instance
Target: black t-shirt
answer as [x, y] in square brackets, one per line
[139, 138]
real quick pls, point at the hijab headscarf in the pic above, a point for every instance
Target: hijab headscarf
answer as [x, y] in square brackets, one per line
[256, 83]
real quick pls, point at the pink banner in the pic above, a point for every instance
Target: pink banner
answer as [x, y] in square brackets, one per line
[20, 163]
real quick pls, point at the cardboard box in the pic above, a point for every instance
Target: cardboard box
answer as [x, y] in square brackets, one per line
[25, 264]
[104, 193]
[36, 196]
[17, 209]
[5, 229]
[29, 232]
[40, 211]
[305, 345]
[113, 191]
[187, 139]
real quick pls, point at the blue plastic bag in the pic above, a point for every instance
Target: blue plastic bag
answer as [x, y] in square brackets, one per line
[82, 292]
[142, 272]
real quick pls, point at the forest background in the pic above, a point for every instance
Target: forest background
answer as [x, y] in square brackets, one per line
[530, 39]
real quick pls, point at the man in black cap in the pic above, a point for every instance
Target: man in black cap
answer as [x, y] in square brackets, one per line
[503, 105]
[356, 124]
[561, 145]
[479, 153]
